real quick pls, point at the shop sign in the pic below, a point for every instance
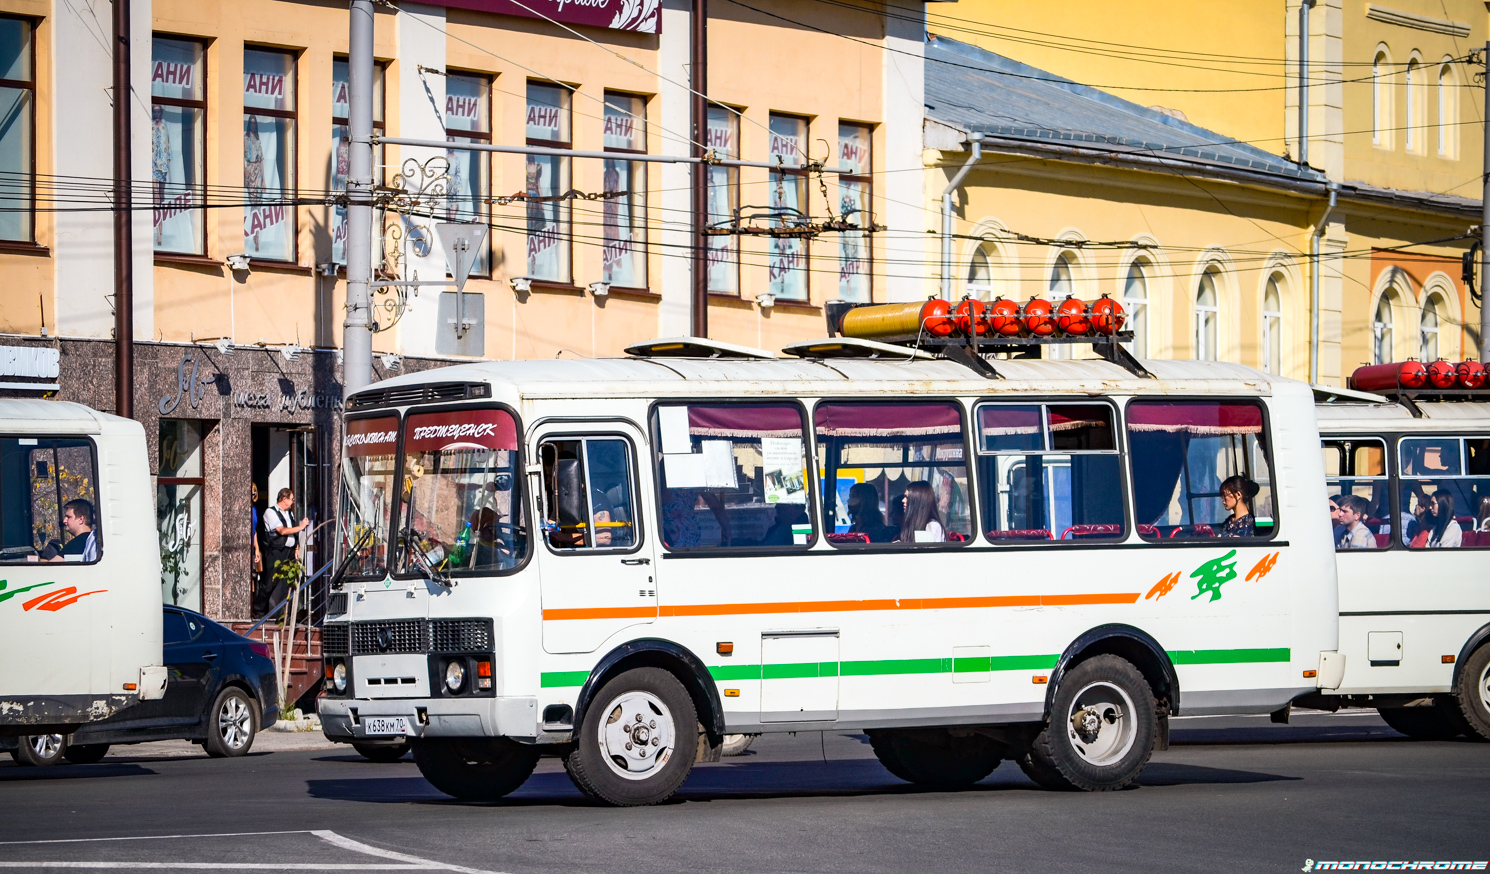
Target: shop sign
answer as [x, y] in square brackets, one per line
[37, 362]
[188, 385]
[287, 402]
[642, 16]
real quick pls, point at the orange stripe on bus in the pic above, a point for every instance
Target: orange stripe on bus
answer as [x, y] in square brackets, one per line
[845, 606]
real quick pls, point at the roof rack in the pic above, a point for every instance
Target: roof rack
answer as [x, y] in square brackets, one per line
[694, 347]
[853, 347]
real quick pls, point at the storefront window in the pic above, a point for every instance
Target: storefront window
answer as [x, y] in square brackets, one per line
[624, 258]
[788, 255]
[17, 123]
[178, 145]
[269, 154]
[854, 192]
[341, 146]
[724, 198]
[548, 178]
[468, 120]
[368, 461]
[178, 512]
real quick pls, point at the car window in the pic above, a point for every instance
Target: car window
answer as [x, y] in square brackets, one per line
[174, 628]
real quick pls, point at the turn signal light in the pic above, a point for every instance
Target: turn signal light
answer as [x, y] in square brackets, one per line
[130, 687]
[329, 669]
[724, 647]
[731, 693]
[1039, 681]
[483, 669]
[1309, 675]
[1448, 659]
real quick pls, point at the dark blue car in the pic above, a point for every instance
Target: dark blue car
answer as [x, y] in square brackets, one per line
[221, 692]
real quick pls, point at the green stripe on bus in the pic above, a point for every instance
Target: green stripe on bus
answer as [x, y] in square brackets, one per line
[800, 670]
[1229, 656]
[724, 673]
[553, 679]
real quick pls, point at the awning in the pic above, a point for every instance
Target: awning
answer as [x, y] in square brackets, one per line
[888, 420]
[1195, 417]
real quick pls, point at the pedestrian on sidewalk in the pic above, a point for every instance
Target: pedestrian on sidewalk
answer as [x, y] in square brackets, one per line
[281, 545]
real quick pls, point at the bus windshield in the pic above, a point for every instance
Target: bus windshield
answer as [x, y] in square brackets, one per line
[460, 504]
[367, 467]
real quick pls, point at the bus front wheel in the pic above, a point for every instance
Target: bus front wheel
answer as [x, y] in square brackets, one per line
[1474, 693]
[936, 758]
[477, 768]
[637, 742]
[1101, 732]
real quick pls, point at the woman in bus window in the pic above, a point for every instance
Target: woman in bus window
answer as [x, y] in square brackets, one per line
[1237, 493]
[1444, 531]
[922, 522]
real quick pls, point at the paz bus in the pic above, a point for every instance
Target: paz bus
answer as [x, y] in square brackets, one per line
[1407, 456]
[80, 632]
[621, 561]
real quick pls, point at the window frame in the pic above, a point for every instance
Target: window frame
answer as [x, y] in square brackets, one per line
[1272, 325]
[564, 216]
[1398, 480]
[634, 475]
[1431, 307]
[484, 267]
[379, 124]
[867, 220]
[809, 461]
[1389, 450]
[394, 490]
[967, 461]
[799, 177]
[293, 163]
[29, 240]
[1140, 345]
[201, 249]
[92, 446]
[633, 168]
[1120, 450]
[395, 513]
[731, 186]
[200, 481]
[1207, 330]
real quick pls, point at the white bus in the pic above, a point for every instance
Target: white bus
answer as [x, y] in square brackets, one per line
[80, 632]
[622, 561]
[1414, 604]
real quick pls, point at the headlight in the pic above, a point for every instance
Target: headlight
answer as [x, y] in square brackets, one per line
[455, 676]
[339, 677]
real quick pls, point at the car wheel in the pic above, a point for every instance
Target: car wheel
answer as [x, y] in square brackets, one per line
[40, 750]
[936, 757]
[736, 744]
[1435, 722]
[232, 724]
[1101, 732]
[637, 742]
[1474, 693]
[85, 754]
[475, 769]
[382, 752]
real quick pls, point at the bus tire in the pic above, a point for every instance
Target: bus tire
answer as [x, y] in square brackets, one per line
[935, 758]
[476, 768]
[736, 744]
[40, 750]
[1103, 723]
[1437, 722]
[384, 753]
[232, 724]
[85, 754]
[1473, 693]
[625, 751]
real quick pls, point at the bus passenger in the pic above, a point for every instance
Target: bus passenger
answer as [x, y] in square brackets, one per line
[1443, 529]
[1335, 525]
[864, 512]
[77, 519]
[1237, 493]
[922, 522]
[1356, 535]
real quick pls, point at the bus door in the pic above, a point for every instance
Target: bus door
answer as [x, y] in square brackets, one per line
[595, 564]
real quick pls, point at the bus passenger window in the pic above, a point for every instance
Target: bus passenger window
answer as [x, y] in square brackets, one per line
[587, 495]
[1360, 501]
[49, 507]
[1445, 492]
[893, 473]
[1049, 472]
[731, 476]
[1185, 454]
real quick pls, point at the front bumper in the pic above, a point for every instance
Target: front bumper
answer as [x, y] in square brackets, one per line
[342, 719]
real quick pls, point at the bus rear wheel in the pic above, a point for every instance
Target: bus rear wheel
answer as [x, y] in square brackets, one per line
[1439, 721]
[475, 768]
[936, 758]
[637, 742]
[1101, 732]
[1474, 693]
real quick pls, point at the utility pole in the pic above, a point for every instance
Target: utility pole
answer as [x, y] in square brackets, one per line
[1485, 217]
[124, 304]
[698, 81]
[357, 329]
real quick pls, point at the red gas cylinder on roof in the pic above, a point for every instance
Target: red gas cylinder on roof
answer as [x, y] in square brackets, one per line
[1004, 317]
[1071, 318]
[1389, 377]
[1471, 374]
[936, 318]
[1441, 374]
[1037, 318]
[969, 317]
[1107, 316]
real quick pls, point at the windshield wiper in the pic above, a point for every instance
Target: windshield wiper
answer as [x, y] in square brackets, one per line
[427, 569]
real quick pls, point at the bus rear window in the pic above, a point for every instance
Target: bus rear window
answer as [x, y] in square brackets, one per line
[732, 476]
[1200, 470]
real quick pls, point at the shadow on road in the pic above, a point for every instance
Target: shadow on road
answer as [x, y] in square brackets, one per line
[19, 774]
[1175, 774]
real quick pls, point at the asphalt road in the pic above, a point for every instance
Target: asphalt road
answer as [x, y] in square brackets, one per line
[1230, 795]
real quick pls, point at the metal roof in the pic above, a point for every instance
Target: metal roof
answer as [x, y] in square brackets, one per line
[980, 92]
[27, 415]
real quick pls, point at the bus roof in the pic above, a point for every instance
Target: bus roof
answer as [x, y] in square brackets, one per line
[28, 416]
[651, 377]
[1436, 416]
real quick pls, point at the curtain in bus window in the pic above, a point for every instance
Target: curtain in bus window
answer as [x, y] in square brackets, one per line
[891, 470]
[1445, 492]
[43, 482]
[1181, 452]
[368, 463]
[732, 475]
[1049, 472]
[460, 506]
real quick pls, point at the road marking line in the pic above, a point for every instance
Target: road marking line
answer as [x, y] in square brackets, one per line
[335, 839]
[298, 831]
[226, 866]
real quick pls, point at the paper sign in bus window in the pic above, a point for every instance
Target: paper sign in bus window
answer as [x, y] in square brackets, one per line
[785, 480]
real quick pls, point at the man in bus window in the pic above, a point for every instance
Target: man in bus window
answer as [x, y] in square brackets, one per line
[1353, 509]
[77, 518]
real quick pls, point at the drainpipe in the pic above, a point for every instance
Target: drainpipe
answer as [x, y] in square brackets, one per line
[1314, 238]
[124, 303]
[975, 157]
[1304, 81]
[698, 70]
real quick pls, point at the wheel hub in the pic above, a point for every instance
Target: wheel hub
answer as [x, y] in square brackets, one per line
[233, 723]
[1102, 729]
[637, 738]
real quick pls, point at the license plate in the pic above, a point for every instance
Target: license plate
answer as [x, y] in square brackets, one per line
[386, 725]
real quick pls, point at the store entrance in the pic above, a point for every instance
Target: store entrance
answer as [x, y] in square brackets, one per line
[288, 458]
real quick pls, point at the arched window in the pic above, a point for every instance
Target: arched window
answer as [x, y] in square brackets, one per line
[1272, 327]
[1381, 332]
[1136, 302]
[1381, 108]
[1428, 328]
[1206, 311]
[1414, 105]
[1062, 283]
[1448, 112]
[980, 273]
